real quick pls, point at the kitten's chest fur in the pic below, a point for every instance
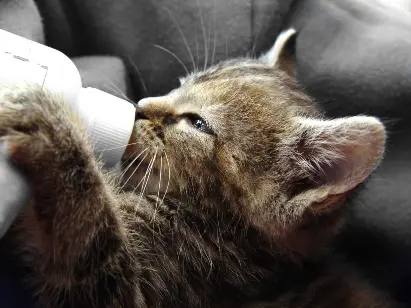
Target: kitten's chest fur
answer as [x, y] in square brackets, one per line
[188, 259]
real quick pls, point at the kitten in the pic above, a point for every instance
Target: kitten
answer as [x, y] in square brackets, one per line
[240, 186]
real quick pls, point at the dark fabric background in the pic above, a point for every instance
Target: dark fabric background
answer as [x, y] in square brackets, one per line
[353, 57]
[130, 29]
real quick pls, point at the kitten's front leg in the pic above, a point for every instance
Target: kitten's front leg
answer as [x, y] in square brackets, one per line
[71, 234]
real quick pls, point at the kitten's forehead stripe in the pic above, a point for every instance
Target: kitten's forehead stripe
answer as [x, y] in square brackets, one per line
[245, 80]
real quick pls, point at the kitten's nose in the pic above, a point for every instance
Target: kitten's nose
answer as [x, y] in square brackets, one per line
[152, 100]
[144, 102]
[140, 113]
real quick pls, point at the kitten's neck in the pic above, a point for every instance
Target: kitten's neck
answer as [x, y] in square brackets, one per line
[209, 253]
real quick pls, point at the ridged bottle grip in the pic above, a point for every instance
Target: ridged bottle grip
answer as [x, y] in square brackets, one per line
[109, 121]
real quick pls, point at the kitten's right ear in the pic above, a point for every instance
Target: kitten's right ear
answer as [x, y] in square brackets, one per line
[282, 54]
[338, 155]
[332, 157]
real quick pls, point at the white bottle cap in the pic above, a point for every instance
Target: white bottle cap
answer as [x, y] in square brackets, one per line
[109, 121]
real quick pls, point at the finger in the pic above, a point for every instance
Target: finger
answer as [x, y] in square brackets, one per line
[14, 191]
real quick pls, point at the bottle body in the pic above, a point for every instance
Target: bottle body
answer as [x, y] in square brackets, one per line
[25, 61]
[108, 119]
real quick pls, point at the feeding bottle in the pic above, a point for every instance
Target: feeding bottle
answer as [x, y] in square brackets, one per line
[109, 120]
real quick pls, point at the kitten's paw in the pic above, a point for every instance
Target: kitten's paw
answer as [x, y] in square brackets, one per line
[38, 130]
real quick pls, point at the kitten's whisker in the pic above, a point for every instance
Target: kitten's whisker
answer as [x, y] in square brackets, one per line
[159, 181]
[174, 55]
[183, 37]
[141, 181]
[208, 40]
[128, 158]
[143, 84]
[110, 87]
[214, 34]
[169, 176]
[158, 191]
[135, 170]
[147, 174]
[134, 160]
[122, 94]
[226, 47]
[144, 180]
[119, 147]
[197, 54]
[124, 163]
[151, 167]
[204, 34]
[253, 38]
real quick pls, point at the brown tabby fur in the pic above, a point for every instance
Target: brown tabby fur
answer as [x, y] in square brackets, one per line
[243, 223]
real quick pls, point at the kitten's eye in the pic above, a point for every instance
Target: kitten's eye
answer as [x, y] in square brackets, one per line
[199, 123]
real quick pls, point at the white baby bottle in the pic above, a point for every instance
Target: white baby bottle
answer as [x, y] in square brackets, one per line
[109, 120]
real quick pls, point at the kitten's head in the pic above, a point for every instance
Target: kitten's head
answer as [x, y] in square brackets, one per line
[242, 138]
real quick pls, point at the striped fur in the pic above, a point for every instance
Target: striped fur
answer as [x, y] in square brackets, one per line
[243, 221]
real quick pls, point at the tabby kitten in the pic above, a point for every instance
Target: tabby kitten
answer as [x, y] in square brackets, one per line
[240, 185]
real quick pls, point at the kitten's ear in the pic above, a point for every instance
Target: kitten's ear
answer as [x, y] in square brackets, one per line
[282, 54]
[337, 155]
